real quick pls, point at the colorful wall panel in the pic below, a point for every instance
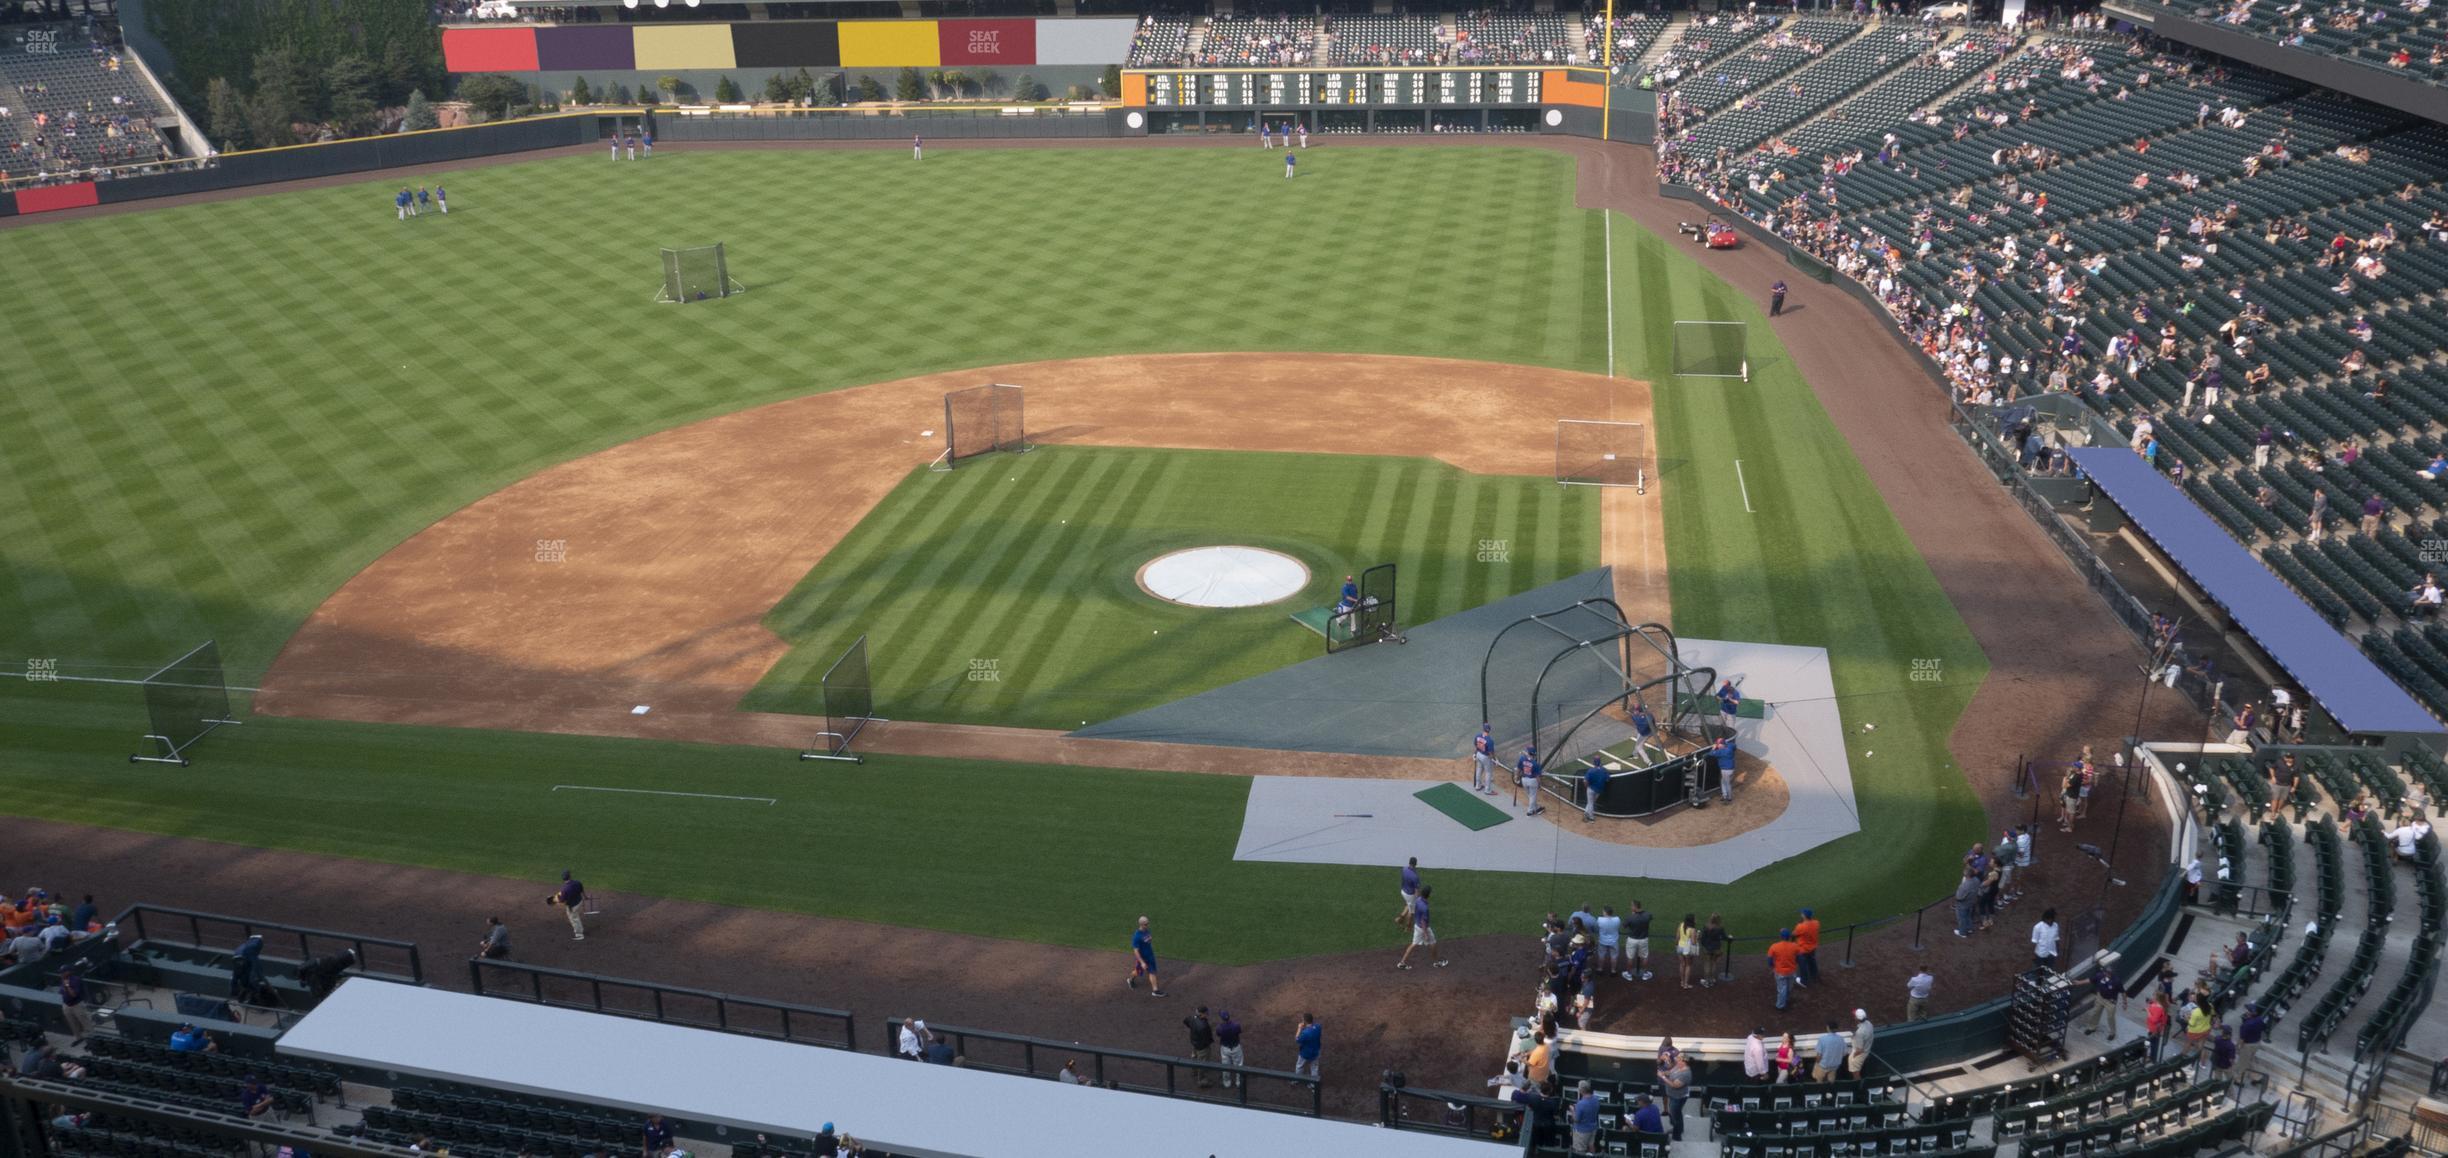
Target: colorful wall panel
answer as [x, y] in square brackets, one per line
[683, 46]
[489, 49]
[787, 44]
[1085, 41]
[889, 44]
[599, 47]
[986, 42]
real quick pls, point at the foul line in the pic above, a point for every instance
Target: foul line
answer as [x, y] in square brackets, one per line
[1746, 488]
[768, 800]
[1609, 219]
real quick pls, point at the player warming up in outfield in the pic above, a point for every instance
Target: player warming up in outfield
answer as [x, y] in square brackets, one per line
[917, 148]
[1143, 960]
[442, 200]
[1289, 159]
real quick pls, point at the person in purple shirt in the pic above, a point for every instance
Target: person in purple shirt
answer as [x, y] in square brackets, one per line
[2373, 507]
[1228, 1045]
[1410, 891]
[571, 896]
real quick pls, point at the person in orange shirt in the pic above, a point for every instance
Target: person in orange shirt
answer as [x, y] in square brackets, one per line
[1785, 956]
[1806, 935]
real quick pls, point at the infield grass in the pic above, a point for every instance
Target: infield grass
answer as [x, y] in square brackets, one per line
[1006, 592]
[224, 410]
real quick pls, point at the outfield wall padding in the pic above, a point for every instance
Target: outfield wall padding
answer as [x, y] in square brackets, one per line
[788, 44]
[586, 46]
[304, 162]
[839, 127]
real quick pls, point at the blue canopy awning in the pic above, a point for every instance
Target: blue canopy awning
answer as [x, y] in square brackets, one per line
[2329, 668]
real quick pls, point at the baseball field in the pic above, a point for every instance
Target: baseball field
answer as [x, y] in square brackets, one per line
[223, 414]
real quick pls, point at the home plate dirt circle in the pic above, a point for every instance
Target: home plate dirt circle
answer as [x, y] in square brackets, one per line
[1223, 576]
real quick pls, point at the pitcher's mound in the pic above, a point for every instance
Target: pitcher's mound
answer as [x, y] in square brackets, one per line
[1223, 577]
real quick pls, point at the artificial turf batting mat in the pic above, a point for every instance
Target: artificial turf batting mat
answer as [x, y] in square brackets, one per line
[1463, 805]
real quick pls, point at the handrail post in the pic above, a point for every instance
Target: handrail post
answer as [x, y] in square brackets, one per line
[1847, 963]
[1317, 1098]
[658, 1003]
[536, 981]
[476, 976]
[1917, 927]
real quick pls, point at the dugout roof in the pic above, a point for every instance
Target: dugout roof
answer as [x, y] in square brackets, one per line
[2354, 691]
[758, 1084]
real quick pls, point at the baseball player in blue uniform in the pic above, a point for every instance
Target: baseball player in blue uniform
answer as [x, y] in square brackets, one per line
[1289, 158]
[1644, 731]
[1526, 776]
[399, 201]
[1729, 703]
[424, 198]
[1594, 781]
[1483, 760]
[1724, 751]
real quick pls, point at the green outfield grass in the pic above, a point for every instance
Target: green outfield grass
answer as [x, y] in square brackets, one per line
[219, 412]
[1005, 592]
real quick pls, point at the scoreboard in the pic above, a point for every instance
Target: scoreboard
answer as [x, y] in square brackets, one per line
[1342, 88]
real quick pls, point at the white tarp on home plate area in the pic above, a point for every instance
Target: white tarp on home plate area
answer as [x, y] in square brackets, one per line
[1328, 820]
[756, 1084]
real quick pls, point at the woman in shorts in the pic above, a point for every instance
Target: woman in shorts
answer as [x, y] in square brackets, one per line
[1687, 947]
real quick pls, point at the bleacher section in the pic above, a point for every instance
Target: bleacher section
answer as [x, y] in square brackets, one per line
[79, 107]
[1231, 41]
[1849, 68]
[2236, 229]
[1761, 61]
[2386, 34]
[1518, 38]
[1387, 40]
[1705, 40]
[1160, 41]
[1633, 36]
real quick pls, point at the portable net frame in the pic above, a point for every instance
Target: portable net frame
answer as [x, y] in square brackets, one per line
[984, 419]
[1591, 452]
[1712, 350]
[698, 273]
[849, 706]
[1376, 618]
[1567, 679]
[184, 702]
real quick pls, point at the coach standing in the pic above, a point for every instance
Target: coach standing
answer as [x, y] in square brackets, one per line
[571, 896]
[1527, 777]
[1483, 760]
[1776, 298]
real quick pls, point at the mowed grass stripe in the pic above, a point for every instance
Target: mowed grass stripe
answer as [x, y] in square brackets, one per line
[1056, 604]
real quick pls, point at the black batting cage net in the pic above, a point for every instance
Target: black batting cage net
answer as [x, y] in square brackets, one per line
[849, 698]
[185, 701]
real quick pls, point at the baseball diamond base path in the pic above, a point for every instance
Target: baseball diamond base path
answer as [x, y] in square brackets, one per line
[677, 544]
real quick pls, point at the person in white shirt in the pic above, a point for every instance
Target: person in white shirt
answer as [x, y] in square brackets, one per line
[913, 1039]
[2044, 940]
[2409, 838]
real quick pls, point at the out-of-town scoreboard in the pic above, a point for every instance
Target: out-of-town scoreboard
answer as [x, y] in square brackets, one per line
[1344, 88]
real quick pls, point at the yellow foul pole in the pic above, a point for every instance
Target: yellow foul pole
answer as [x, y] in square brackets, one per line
[1606, 82]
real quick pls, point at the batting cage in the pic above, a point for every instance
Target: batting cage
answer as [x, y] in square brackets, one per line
[184, 702]
[1372, 619]
[982, 419]
[1605, 454]
[697, 274]
[1567, 679]
[1712, 350]
[849, 705]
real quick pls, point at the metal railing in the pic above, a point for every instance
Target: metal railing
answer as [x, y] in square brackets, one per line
[1122, 1069]
[379, 957]
[1444, 1112]
[669, 1004]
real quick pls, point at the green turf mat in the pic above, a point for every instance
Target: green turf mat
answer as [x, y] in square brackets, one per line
[1468, 810]
[1314, 619]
